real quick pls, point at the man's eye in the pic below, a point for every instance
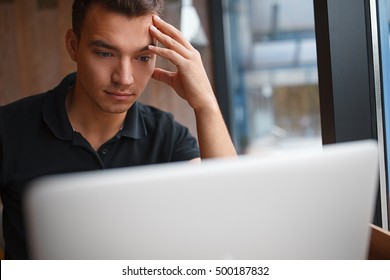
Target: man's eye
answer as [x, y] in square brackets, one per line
[104, 54]
[144, 58]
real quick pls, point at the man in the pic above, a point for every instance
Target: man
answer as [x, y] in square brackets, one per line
[91, 120]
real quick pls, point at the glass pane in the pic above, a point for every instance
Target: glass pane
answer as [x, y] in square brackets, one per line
[383, 8]
[273, 74]
[386, 84]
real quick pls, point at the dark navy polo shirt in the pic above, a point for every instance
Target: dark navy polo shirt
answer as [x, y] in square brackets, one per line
[36, 139]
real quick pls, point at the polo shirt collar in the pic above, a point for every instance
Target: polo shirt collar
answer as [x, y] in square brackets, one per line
[134, 125]
[54, 111]
[55, 115]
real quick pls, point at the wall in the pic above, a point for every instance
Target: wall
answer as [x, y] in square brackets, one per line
[33, 55]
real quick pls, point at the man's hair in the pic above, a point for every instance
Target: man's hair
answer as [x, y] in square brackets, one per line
[130, 8]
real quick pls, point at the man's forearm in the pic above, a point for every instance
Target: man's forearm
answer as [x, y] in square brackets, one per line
[213, 136]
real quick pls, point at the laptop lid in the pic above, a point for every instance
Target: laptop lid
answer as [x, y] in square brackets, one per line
[315, 205]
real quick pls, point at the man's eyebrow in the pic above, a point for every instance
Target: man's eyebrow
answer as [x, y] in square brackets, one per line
[100, 43]
[146, 48]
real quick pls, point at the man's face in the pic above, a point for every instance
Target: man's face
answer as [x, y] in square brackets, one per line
[113, 62]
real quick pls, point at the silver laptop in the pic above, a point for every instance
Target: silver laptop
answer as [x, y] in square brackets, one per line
[315, 205]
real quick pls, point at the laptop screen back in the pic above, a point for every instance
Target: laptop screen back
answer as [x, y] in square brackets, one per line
[315, 205]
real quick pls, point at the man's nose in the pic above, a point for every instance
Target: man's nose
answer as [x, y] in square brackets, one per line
[123, 74]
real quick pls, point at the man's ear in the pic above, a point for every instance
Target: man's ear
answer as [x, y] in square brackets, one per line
[71, 42]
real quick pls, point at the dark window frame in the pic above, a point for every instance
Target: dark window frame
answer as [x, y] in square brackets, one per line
[347, 81]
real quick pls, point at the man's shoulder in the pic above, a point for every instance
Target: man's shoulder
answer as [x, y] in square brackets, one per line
[35, 102]
[26, 103]
[149, 110]
[153, 114]
[21, 115]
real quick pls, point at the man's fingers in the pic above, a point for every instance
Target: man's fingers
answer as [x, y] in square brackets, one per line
[169, 54]
[163, 76]
[170, 44]
[171, 31]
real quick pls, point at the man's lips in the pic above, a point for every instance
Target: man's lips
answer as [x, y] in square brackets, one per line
[119, 94]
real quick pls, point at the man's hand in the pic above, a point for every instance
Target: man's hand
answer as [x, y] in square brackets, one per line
[190, 81]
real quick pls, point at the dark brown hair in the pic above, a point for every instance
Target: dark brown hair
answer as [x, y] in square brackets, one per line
[130, 8]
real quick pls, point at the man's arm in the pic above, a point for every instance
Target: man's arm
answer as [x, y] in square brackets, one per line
[190, 82]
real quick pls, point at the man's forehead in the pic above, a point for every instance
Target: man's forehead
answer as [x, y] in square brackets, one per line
[110, 46]
[99, 13]
[100, 18]
[109, 29]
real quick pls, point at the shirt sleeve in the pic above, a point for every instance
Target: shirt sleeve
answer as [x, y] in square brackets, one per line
[185, 145]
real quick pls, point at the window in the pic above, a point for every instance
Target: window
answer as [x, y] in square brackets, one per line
[273, 82]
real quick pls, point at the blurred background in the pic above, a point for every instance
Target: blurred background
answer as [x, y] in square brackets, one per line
[271, 56]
